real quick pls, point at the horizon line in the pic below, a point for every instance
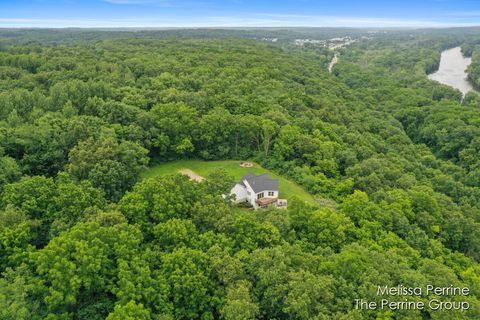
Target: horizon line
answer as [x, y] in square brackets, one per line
[221, 21]
[239, 27]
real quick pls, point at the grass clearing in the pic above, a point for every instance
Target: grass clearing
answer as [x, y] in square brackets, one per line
[288, 188]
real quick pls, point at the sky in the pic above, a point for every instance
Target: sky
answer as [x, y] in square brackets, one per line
[238, 13]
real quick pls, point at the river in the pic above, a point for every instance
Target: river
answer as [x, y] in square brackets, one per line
[452, 70]
[333, 62]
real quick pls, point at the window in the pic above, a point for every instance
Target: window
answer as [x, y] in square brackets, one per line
[271, 193]
[260, 195]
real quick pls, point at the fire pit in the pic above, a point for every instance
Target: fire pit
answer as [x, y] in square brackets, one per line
[246, 164]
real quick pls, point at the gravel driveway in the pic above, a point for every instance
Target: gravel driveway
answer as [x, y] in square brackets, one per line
[192, 175]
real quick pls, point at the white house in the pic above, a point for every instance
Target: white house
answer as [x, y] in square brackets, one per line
[259, 191]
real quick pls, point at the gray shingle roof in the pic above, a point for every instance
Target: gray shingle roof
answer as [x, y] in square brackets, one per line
[260, 183]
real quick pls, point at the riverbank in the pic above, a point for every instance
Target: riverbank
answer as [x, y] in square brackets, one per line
[452, 70]
[333, 63]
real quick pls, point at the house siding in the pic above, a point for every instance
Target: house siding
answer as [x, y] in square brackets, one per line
[275, 194]
[251, 197]
[240, 192]
[244, 192]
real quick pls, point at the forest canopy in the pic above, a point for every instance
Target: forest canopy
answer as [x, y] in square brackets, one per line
[391, 157]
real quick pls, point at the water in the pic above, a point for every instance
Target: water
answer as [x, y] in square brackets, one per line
[333, 63]
[452, 70]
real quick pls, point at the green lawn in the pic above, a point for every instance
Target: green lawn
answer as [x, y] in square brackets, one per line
[287, 190]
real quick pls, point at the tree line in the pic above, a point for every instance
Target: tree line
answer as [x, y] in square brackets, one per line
[390, 156]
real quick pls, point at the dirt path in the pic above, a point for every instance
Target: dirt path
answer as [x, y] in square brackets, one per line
[192, 175]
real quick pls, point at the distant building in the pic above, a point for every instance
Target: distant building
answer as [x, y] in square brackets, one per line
[259, 191]
[302, 42]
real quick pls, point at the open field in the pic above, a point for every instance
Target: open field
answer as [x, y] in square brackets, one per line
[288, 189]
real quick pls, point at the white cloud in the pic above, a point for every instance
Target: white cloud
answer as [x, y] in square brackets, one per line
[253, 20]
[163, 3]
[345, 21]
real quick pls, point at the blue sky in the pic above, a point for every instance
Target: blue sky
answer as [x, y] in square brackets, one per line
[234, 13]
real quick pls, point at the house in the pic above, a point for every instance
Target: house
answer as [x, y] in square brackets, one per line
[259, 191]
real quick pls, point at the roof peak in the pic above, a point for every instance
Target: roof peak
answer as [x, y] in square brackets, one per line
[263, 182]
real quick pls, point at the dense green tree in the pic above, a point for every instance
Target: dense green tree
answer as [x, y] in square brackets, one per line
[14, 291]
[17, 234]
[328, 228]
[390, 157]
[189, 275]
[9, 170]
[239, 304]
[130, 311]
[175, 233]
[158, 200]
[110, 165]
[90, 257]
[176, 123]
[33, 195]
